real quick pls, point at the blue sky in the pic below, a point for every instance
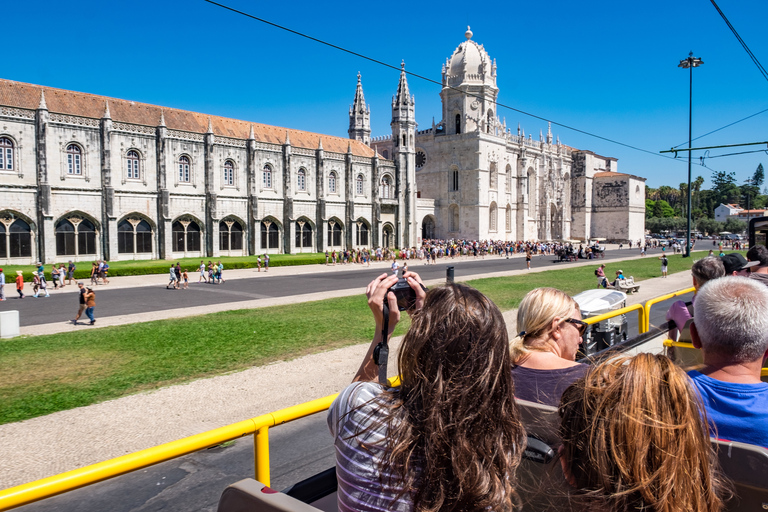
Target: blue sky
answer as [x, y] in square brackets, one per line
[602, 66]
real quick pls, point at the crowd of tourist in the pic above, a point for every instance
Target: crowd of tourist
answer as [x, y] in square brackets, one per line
[634, 430]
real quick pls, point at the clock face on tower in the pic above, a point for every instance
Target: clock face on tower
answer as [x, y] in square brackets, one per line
[421, 159]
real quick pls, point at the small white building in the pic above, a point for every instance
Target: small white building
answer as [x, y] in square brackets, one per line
[726, 211]
[747, 215]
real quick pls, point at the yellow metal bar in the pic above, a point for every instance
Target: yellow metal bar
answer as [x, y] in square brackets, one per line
[642, 321]
[656, 300]
[764, 372]
[682, 344]
[57, 484]
[261, 454]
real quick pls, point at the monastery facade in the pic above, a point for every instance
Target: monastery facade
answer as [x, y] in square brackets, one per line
[86, 177]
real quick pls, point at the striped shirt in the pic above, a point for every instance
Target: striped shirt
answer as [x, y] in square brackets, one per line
[362, 486]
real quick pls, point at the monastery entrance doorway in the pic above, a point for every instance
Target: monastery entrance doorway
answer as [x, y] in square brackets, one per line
[556, 223]
[428, 228]
[388, 236]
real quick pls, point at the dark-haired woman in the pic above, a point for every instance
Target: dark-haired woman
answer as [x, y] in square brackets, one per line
[449, 437]
[634, 439]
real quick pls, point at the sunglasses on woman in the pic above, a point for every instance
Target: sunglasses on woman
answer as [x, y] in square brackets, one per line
[580, 325]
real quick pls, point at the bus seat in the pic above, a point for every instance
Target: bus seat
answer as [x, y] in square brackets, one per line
[250, 495]
[746, 466]
[540, 421]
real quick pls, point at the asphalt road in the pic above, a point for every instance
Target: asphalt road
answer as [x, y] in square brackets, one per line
[195, 482]
[61, 307]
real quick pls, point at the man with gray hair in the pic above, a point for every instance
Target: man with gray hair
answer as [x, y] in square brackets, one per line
[680, 313]
[759, 272]
[731, 329]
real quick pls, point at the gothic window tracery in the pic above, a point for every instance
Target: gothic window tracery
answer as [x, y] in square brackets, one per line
[230, 235]
[270, 234]
[303, 233]
[359, 184]
[134, 236]
[74, 160]
[6, 154]
[184, 169]
[15, 238]
[132, 165]
[75, 236]
[186, 235]
[301, 180]
[229, 173]
[386, 188]
[332, 178]
[266, 176]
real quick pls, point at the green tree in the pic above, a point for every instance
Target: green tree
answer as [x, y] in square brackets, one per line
[709, 226]
[649, 205]
[735, 226]
[759, 177]
[724, 186]
[696, 187]
[661, 208]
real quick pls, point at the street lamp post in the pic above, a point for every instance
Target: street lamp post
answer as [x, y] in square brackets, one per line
[689, 63]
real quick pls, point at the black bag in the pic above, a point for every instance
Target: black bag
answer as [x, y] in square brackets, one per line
[596, 272]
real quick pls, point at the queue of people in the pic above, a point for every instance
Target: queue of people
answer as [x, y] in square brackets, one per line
[633, 430]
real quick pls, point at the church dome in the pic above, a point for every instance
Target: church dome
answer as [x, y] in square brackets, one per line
[469, 65]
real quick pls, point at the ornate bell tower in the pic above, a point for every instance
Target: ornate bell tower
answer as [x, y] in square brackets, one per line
[404, 155]
[360, 117]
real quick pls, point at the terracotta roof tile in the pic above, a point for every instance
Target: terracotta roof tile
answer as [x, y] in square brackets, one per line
[27, 96]
[609, 174]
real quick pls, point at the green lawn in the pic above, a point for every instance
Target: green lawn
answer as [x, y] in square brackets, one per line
[44, 374]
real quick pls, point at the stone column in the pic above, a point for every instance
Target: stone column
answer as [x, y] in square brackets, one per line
[287, 196]
[375, 204]
[211, 215]
[320, 214]
[349, 209]
[253, 228]
[46, 237]
[164, 235]
[108, 219]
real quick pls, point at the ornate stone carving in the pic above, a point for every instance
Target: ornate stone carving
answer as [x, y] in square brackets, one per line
[76, 120]
[17, 112]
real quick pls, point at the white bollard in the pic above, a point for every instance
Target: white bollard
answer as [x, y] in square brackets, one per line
[9, 324]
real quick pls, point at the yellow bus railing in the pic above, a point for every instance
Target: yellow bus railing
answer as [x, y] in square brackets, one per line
[642, 320]
[683, 344]
[662, 298]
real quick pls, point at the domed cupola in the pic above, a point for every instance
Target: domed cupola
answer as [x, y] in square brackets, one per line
[469, 65]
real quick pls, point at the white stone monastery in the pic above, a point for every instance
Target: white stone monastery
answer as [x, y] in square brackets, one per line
[86, 177]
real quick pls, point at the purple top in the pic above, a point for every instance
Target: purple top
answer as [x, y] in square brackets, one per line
[545, 386]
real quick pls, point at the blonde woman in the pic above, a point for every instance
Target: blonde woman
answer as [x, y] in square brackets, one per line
[634, 438]
[544, 352]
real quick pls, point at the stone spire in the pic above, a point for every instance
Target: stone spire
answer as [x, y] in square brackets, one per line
[210, 125]
[549, 132]
[106, 110]
[287, 138]
[42, 105]
[251, 136]
[360, 116]
[403, 96]
[162, 118]
[320, 143]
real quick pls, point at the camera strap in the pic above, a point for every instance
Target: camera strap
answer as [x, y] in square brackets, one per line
[381, 352]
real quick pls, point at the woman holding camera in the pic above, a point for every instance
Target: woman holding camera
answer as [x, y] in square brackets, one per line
[449, 437]
[544, 353]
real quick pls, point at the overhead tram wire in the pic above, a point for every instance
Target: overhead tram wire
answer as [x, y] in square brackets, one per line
[723, 127]
[421, 77]
[743, 44]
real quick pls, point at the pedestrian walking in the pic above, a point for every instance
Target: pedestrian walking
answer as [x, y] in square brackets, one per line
[202, 278]
[172, 278]
[266, 262]
[104, 272]
[258, 262]
[221, 272]
[90, 303]
[70, 271]
[20, 283]
[177, 271]
[82, 305]
[185, 277]
[528, 257]
[2, 285]
[94, 273]
[62, 275]
[664, 263]
[55, 276]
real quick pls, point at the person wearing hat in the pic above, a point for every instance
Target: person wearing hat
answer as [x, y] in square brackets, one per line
[20, 283]
[759, 272]
[2, 285]
[736, 265]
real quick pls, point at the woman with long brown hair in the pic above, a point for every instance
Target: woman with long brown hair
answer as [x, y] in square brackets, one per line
[449, 437]
[634, 439]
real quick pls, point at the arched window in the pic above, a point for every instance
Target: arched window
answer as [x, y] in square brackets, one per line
[230, 236]
[229, 173]
[134, 236]
[132, 165]
[362, 232]
[19, 244]
[266, 176]
[332, 182]
[359, 184]
[303, 234]
[186, 236]
[3, 241]
[74, 155]
[334, 233]
[385, 154]
[184, 169]
[492, 214]
[458, 123]
[270, 235]
[388, 236]
[75, 236]
[6, 154]
[386, 188]
[454, 187]
[405, 140]
[301, 180]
